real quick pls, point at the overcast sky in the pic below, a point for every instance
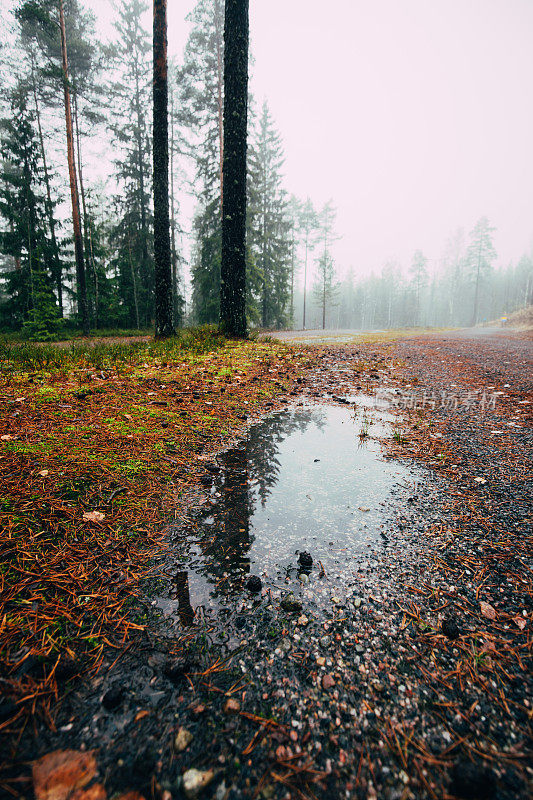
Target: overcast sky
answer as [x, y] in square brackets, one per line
[414, 116]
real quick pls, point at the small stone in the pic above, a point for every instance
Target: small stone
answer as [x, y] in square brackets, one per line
[303, 577]
[471, 782]
[195, 780]
[113, 698]
[303, 620]
[320, 660]
[232, 706]
[328, 681]
[324, 641]
[7, 709]
[254, 584]
[450, 628]
[175, 670]
[291, 604]
[305, 559]
[182, 740]
[357, 602]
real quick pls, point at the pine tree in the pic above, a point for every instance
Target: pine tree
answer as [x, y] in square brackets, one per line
[32, 305]
[233, 263]
[325, 287]
[130, 93]
[419, 279]
[479, 258]
[200, 91]
[270, 224]
[308, 226]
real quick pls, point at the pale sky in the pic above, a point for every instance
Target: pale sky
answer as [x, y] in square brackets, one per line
[414, 116]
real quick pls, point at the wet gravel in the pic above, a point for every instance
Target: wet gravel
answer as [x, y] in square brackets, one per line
[412, 679]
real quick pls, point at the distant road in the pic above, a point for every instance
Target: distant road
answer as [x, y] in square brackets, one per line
[345, 335]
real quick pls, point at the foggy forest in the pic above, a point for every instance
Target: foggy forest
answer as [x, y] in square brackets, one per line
[293, 279]
[266, 400]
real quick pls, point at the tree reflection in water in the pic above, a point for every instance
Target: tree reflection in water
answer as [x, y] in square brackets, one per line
[248, 473]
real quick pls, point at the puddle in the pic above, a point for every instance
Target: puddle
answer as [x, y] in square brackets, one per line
[309, 478]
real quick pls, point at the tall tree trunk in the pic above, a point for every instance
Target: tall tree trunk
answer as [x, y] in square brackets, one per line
[233, 266]
[78, 238]
[176, 299]
[305, 273]
[220, 99]
[142, 206]
[476, 292]
[87, 236]
[49, 205]
[163, 272]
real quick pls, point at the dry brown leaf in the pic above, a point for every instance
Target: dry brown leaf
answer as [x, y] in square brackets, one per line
[94, 792]
[93, 516]
[487, 610]
[57, 775]
[141, 714]
[520, 621]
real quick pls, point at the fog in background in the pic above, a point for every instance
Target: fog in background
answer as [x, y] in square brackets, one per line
[415, 117]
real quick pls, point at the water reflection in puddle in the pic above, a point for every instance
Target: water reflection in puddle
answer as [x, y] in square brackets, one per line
[310, 478]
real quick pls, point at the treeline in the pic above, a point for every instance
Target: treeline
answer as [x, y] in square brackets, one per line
[463, 287]
[103, 276]
[42, 283]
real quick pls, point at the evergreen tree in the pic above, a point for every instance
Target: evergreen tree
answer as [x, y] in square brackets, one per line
[270, 226]
[479, 258]
[324, 288]
[130, 94]
[419, 279]
[200, 89]
[308, 226]
[29, 281]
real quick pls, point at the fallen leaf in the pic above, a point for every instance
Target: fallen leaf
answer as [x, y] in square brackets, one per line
[487, 610]
[141, 714]
[94, 792]
[43, 473]
[93, 516]
[6, 437]
[132, 795]
[520, 621]
[57, 775]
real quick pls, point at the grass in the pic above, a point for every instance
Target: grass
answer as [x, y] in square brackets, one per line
[115, 429]
[32, 357]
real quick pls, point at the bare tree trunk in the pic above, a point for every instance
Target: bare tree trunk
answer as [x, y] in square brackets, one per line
[49, 204]
[140, 165]
[176, 299]
[78, 238]
[233, 266]
[476, 292]
[86, 221]
[305, 273]
[220, 99]
[163, 273]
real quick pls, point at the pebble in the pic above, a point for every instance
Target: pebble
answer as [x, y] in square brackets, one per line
[232, 706]
[254, 584]
[112, 698]
[195, 780]
[291, 604]
[328, 682]
[182, 740]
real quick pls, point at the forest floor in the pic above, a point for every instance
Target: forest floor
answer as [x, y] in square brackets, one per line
[417, 686]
